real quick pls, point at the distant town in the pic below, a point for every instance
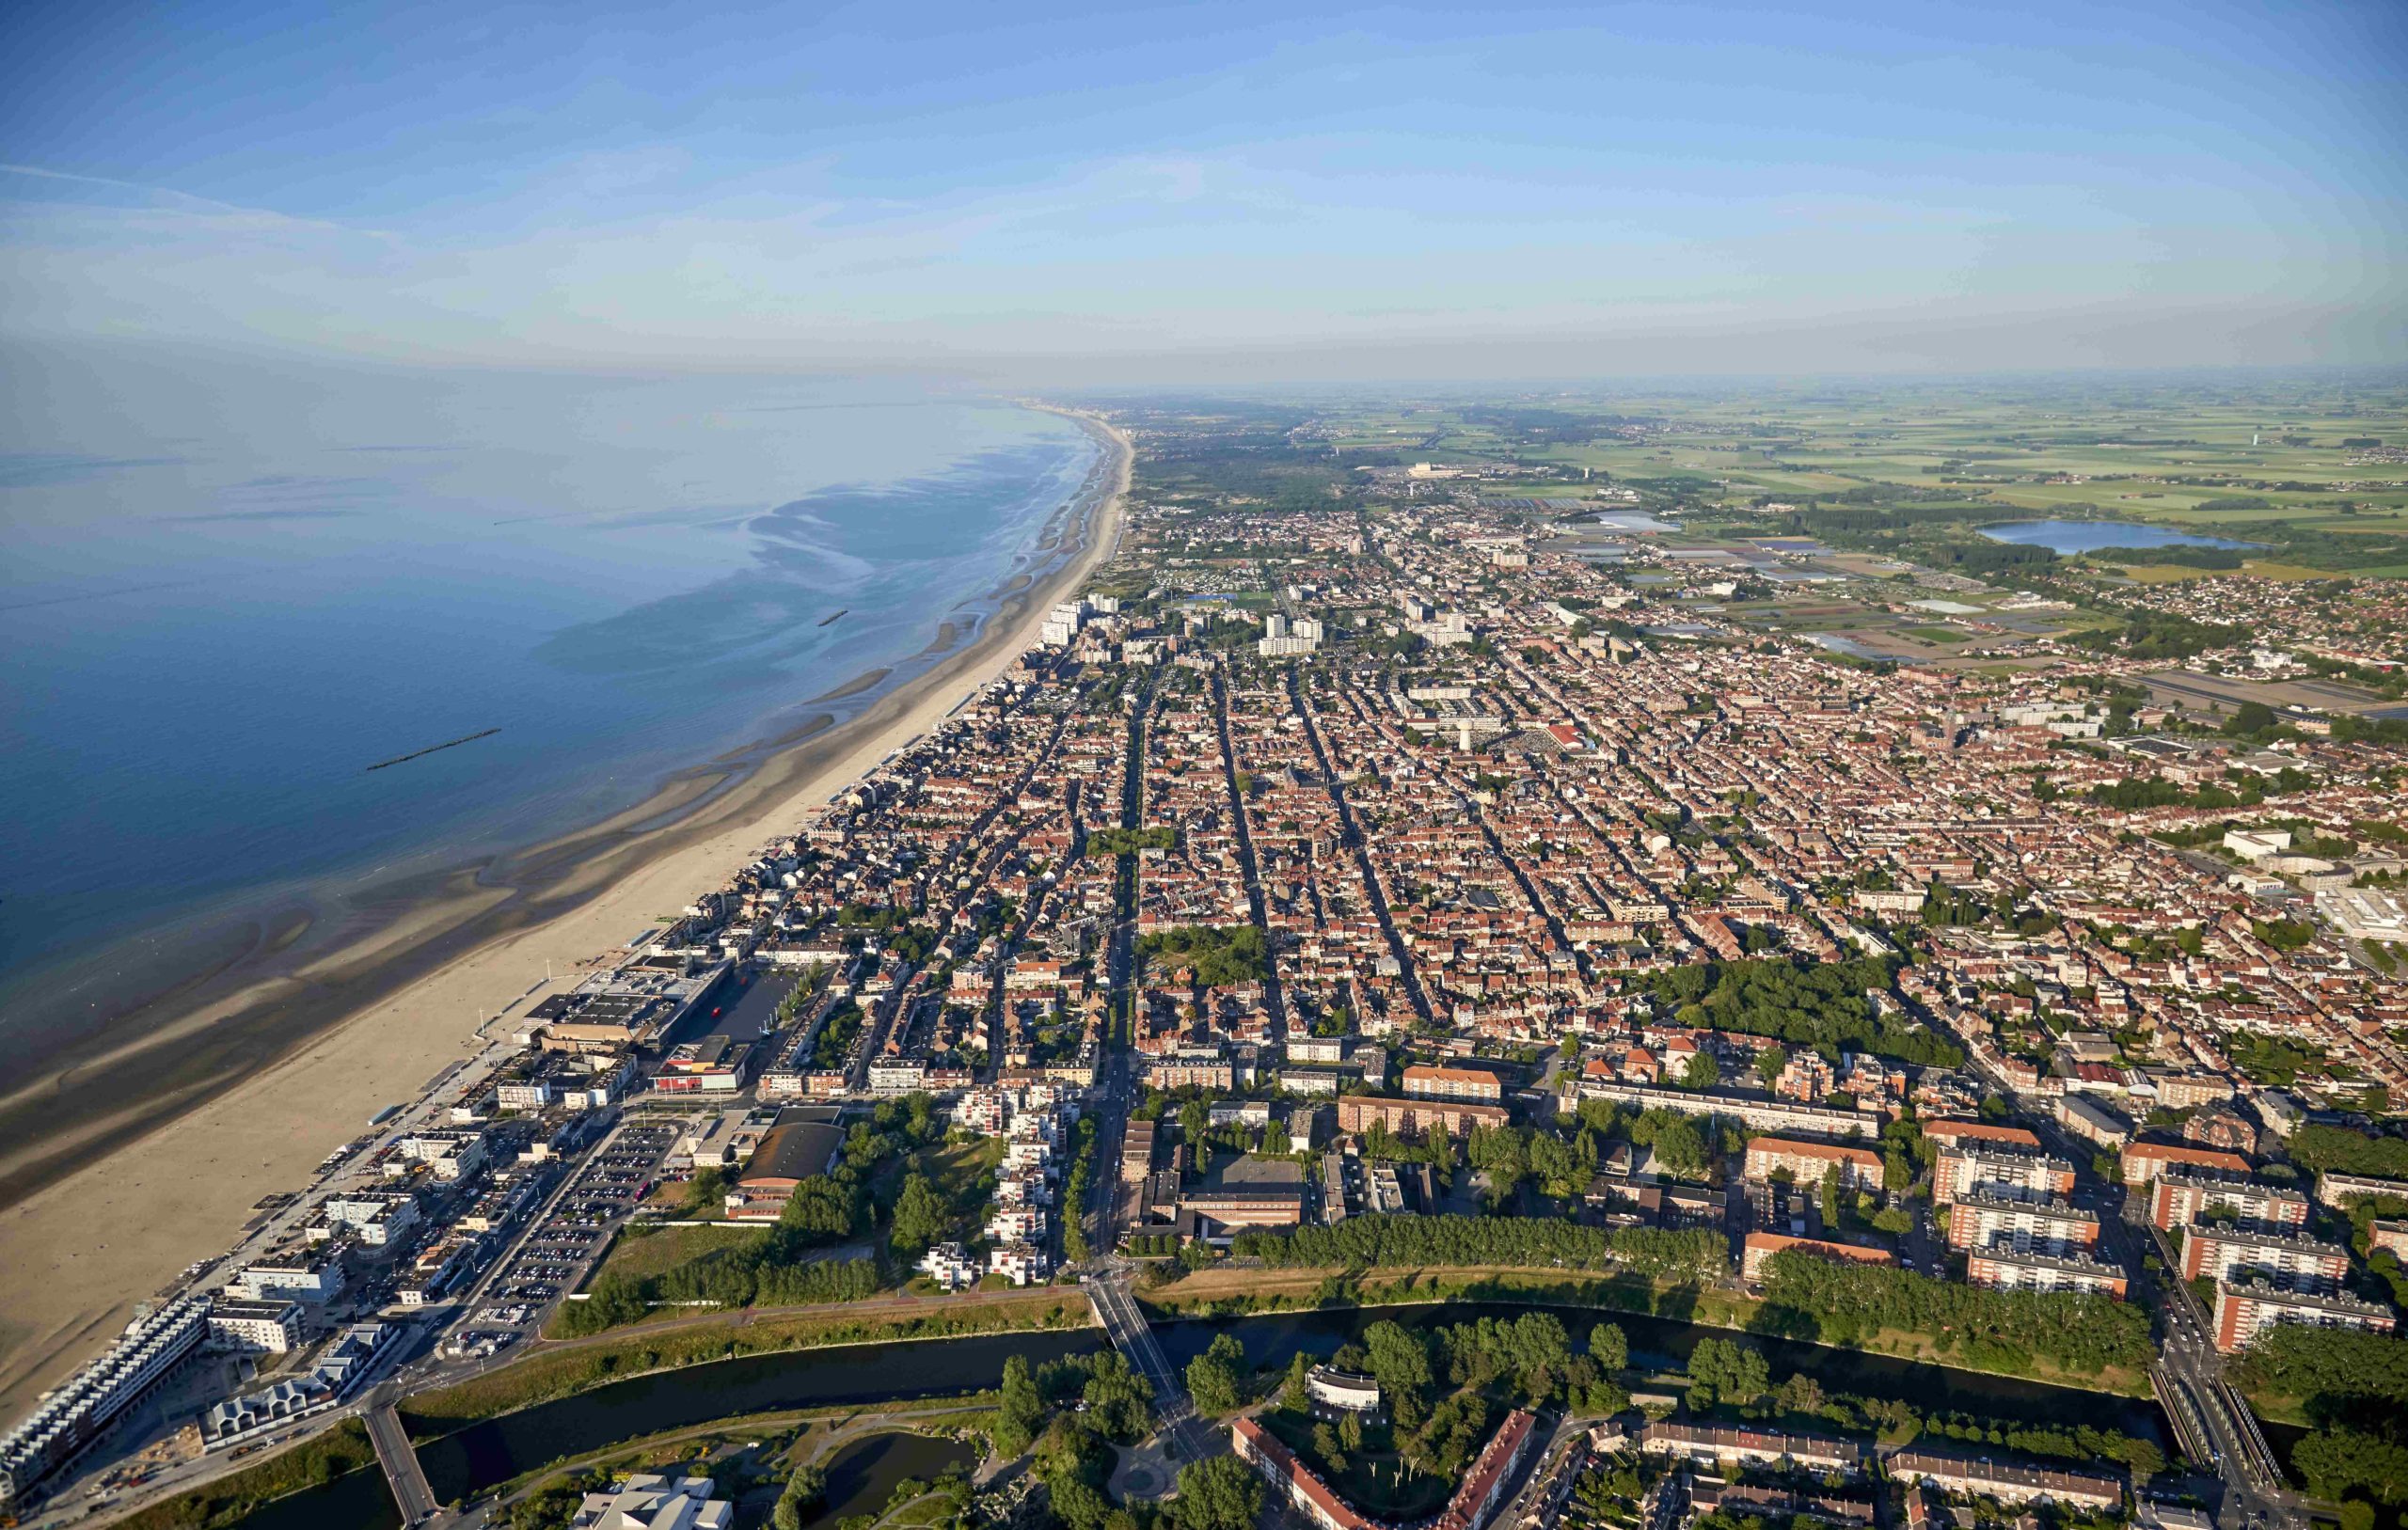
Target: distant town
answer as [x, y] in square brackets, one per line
[1670, 927]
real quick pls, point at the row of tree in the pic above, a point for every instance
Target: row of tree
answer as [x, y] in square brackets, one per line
[1521, 1242]
[1844, 1302]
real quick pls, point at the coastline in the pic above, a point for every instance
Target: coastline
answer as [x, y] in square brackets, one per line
[293, 1056]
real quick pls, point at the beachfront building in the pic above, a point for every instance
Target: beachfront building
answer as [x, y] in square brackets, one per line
[267, 1328]
[332, 1379]
[74, 1415]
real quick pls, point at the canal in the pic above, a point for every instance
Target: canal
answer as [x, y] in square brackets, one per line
[481, 1455]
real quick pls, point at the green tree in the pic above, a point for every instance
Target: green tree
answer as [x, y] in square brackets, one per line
[1700, 1071]
[920, 1217]
[1219, 1493]
[1609, 1348]
[805, 1491]
[1769, 1066]
[1400, 1361]
[1215, 1378]
[1295, 1394]
[1020, 1414]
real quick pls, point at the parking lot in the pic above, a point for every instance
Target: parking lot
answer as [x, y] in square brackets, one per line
[556, 1252]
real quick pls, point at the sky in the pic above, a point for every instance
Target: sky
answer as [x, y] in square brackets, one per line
[1232, 190]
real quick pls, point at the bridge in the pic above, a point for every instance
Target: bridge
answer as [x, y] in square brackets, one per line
[411, 1491]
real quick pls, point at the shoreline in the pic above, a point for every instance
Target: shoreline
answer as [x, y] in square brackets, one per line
[284, 1064]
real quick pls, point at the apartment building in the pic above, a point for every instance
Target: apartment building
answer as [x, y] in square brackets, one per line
[1421, 1081]
[2145, 1161]
[1994, 1169]
[1981, 1220]
[76, 1415]
[1412, 1117]
[1981, 1477]
[2019, 1264]
[1710, 1443]
[2237, 1254]
[1760, 1247]
[1808, 1163]
[1759, 1112]
[2244, 1310]
[267, 1328]
[315, 1273]
[2179, 1199]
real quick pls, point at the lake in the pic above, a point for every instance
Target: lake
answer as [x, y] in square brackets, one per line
[2067, 538]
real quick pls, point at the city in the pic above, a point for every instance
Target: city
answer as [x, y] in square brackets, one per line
[1682, 934]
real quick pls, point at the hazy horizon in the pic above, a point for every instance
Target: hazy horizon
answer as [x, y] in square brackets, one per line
[1118, 198]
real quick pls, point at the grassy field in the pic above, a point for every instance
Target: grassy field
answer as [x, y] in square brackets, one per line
[654, 1250]
[2219, 456]
[562, 1370]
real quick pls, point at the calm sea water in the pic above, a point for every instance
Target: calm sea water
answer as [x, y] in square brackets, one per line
[233, 586]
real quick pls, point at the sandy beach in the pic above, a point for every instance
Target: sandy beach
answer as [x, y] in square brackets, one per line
[126, 1201]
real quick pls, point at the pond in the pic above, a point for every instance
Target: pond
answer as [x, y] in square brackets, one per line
[2067, 538]
[1837, 644]
[861, 1476]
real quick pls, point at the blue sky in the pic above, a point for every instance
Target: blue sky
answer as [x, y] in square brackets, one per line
[1141, 194]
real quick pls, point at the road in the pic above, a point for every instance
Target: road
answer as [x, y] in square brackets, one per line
[1190, 1438]
[2190, 1372]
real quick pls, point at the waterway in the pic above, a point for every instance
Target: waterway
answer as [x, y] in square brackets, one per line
[2067, 538]
[496, 1450]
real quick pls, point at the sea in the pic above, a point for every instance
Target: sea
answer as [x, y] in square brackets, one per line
[247, 602]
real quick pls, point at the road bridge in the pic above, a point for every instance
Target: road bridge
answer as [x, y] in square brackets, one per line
[411, 1491]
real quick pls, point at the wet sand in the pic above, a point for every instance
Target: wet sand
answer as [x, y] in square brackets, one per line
[137, 1157]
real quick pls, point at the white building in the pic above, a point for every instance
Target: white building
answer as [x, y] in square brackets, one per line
[648, 1501]
[270, 1328]
[950, 1266]
[1019, 1263]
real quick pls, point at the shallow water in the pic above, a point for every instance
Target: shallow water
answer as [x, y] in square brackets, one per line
[234, 587]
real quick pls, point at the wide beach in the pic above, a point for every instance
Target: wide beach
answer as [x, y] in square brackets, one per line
[127, 1199]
